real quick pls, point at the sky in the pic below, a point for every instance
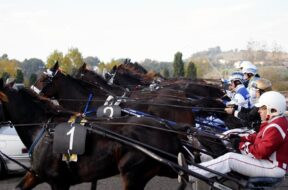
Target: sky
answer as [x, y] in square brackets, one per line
[138, 29]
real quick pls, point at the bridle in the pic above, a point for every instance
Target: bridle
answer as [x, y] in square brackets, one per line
[50, 75]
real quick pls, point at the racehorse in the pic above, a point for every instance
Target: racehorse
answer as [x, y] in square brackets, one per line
[102, 158]
[73, 94]
[206, 106]
[204, 95]
[134, 76]
[131, 75]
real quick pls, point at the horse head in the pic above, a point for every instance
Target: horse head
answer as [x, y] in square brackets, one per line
[127, 76]
[25, 107]
[45, 79]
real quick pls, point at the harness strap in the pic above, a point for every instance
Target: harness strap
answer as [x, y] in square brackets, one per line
[142, 114]
[86, 112]
[38, 137]
[19, 163]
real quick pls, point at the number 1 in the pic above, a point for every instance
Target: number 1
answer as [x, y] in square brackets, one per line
[71, 133]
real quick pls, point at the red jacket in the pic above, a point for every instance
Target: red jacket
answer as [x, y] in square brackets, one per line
[271, 142]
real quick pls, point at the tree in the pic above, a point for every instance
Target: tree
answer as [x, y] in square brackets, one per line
[33, 65]
[165, 72]
[4, 57]
[19, 76]
[191, 71]
[53, 57]
[251, 49]
[276, 53]
[68, 63]
[8, 66]
[178, 65]
[32, 79]
[92, 61]
[75, 57]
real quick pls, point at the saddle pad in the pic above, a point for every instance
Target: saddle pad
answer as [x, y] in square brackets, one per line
[69, 138]
[109, 111]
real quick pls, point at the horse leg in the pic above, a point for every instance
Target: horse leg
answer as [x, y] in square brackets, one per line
[29, 181]
[94, 185]
[136, 170]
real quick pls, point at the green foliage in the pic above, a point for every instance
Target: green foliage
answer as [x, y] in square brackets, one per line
[19, 76]
[75, 57]
[178, 65]
[8, 66]
[68, 63]
[191, 71]
[108, 66]
[32, 79]
[53, 57]
[202, 66]
[113, 63]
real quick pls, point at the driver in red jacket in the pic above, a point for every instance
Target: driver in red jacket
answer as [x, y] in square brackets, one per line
[264, 154]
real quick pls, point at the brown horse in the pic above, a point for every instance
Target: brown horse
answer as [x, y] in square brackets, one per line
[134, 76]
[73, 94]
[104, 159]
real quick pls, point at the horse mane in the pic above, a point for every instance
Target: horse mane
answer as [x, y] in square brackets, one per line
[88, 86]
[135, 66]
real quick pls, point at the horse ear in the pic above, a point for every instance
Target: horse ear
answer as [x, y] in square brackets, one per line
[114, 69]
[55, 67]
[83, 67]
[1, 84]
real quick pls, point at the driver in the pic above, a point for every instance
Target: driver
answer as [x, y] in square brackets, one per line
[263, 154]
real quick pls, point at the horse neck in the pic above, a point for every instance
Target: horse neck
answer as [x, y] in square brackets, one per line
[127, 80]
[26, 120]
[97, 81]
[73, 94]
[28, 136]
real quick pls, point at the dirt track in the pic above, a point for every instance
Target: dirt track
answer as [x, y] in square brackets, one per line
[114, 183]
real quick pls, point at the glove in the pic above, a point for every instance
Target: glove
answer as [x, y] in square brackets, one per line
[235, 141]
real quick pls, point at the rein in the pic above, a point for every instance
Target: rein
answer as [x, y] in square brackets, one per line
[18, 163]
[140, 101]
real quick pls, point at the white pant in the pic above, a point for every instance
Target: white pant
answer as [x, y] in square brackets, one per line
[242, 164]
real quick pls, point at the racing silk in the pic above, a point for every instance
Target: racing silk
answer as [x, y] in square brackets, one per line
[271, 143]
[240, 98]
[252, 91]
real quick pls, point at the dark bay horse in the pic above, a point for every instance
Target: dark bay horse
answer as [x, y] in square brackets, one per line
[131, 75]
[102, 158]
[73, 94]
[204, 107]
[134, 76]
[205, 96]
[170, 105]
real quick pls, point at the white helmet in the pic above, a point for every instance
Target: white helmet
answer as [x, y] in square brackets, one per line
[242, 64]
[272, 100]
[236, 76]
[249, 68]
